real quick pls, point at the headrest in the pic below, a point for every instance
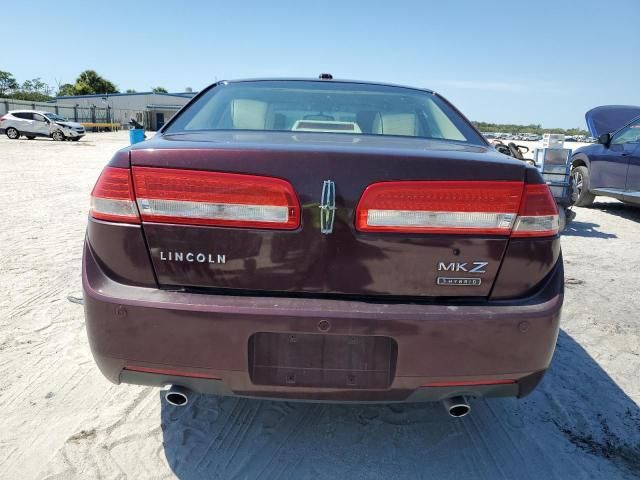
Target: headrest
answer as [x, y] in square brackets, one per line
[248, 114]
[395, 124]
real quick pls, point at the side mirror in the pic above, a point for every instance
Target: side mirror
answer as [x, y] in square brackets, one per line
[605, 139]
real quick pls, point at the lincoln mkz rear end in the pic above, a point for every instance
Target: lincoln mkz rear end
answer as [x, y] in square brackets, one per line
[322, 240]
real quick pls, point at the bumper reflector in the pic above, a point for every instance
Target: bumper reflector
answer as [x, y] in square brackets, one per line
[469, 383]
[173, 373]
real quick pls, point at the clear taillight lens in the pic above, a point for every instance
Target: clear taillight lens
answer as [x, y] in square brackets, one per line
[193, 197]
[112, 197]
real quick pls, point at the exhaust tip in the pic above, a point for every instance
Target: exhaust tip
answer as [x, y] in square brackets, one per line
[457, 407]
[177, 396]
[458, 411]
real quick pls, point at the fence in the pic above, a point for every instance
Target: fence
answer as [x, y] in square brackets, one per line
[92, 115]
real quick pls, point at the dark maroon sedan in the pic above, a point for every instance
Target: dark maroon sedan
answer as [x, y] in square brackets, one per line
[322, 240]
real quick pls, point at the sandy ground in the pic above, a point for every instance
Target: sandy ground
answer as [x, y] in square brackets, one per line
[61, 419]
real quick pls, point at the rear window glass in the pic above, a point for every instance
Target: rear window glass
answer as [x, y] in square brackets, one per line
[325, 107]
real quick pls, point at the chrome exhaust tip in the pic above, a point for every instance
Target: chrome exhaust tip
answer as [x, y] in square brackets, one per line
[177, 396]
[457, 407]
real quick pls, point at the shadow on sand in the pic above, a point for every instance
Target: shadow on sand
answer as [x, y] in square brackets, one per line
[585, 229]
[577, 424]
[629, 212]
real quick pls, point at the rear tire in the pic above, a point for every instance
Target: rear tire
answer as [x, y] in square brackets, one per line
[580, 181]
[12, 133]
[58, 136]
[30, 137]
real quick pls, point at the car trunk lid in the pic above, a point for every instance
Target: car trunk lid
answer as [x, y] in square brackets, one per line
[303, 260]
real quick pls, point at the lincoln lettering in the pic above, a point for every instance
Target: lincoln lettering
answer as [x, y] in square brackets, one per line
[191, 257]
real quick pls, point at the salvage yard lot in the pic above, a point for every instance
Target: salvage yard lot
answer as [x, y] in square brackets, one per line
[61, 419]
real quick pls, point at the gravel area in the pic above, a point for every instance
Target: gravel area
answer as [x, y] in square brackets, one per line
[61, 419]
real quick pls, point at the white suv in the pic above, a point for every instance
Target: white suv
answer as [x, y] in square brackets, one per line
[32, 124]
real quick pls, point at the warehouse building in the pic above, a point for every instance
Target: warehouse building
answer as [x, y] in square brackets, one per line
[150, 109]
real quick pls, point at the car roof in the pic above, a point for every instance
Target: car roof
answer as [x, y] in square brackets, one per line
[319, 80]
[41, 112]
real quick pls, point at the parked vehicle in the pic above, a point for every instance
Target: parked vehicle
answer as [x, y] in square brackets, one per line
[33, 123]
[322, 240]
[611, 167]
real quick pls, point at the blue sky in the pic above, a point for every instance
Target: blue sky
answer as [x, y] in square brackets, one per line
[504, 61]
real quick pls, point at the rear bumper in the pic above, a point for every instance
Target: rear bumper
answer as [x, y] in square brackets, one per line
[201, 341]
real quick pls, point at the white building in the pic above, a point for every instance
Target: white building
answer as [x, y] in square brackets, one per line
[148, 108]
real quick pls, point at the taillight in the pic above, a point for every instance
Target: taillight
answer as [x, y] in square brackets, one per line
[112, 197]
[191, 197]
[460, 207]
[538, 215]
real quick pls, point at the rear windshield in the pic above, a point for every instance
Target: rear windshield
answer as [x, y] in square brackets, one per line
[325, 107]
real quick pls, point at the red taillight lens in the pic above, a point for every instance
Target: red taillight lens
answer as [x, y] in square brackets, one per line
[459, 207]
[468, 383]
[112, 197]
[538, 215]
[192, 197]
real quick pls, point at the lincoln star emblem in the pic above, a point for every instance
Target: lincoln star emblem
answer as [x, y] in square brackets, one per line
[327, 206]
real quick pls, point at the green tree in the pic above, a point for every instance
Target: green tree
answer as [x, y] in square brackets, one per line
[66, 90]
[83, 88]
[531, 128]
[160, 90]
[89, 82]
[30, 96]
[34, 90]
[130, 90]
[7, 83]
[35, 85]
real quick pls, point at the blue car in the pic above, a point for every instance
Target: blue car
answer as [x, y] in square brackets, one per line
[610, 167]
